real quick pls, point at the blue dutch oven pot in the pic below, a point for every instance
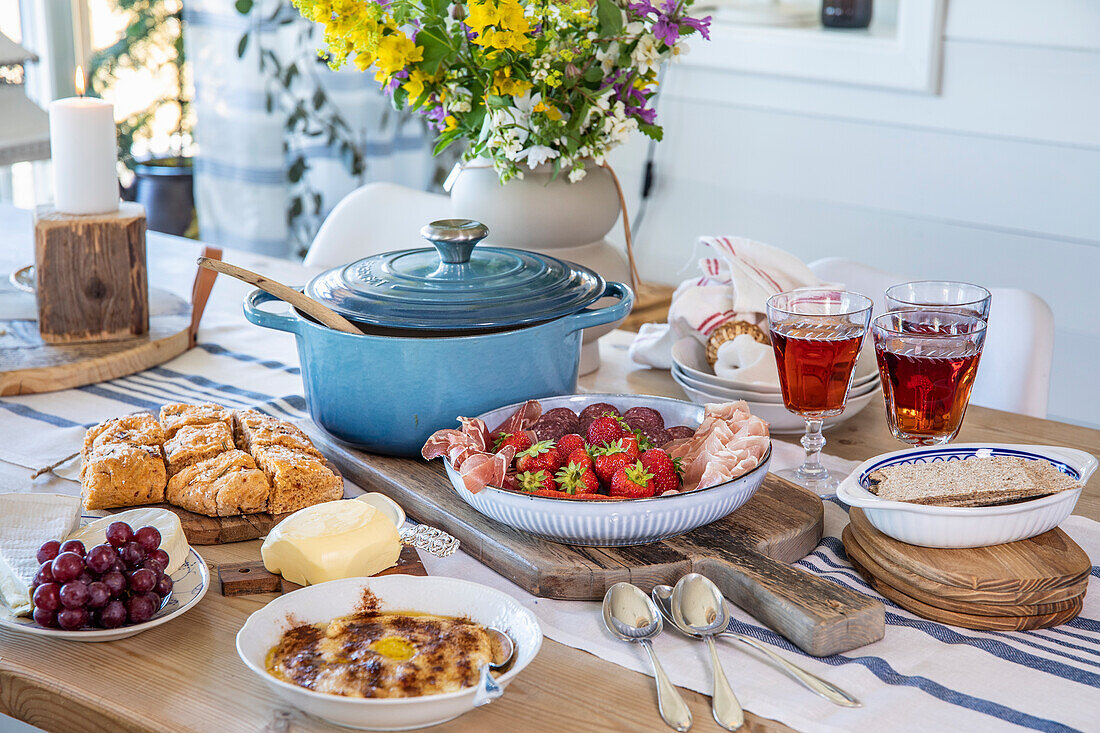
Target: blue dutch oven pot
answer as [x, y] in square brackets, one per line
[447, 332]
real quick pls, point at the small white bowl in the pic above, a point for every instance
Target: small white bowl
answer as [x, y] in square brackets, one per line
[441, 596]
[612, 523]
[936, 526]
[780, 420]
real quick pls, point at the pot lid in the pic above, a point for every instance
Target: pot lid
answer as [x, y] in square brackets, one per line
[453, 286]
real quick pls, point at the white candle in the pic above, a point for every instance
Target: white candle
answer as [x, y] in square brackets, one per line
[84, 153]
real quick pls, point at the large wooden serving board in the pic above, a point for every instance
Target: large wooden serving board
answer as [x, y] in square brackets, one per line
[745, 553]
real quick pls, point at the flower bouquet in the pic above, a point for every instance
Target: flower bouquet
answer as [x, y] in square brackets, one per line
[524, 82]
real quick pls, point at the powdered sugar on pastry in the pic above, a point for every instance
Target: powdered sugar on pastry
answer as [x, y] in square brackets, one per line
[730, 442]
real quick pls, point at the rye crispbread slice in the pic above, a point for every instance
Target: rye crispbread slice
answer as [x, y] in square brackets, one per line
[976, 481]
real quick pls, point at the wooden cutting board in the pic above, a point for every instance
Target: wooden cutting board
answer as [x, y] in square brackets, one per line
[203, 530]
[1043, 569]
[745, 553]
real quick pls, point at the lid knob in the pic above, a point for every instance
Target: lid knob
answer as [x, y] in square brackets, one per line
[454, 239]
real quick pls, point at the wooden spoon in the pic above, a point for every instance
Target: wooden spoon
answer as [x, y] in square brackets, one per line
[302, 302]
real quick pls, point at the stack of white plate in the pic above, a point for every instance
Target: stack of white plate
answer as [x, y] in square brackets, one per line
[695, 376]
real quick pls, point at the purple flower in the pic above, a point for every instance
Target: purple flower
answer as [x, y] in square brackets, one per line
[702, 25]
[642, 9]
[648, 116]
[667, 30]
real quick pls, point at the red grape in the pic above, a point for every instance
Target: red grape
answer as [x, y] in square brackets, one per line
[164, 586]
[115, 582]
[132, 554]
[98, 594]
[67, 566]
[140, 608]
[48, 551]
[101, 558]
[155, 600]
[112, 615]
[161, 557]
[143, 581]
[73, 546]
[148, 537]
[74, 594]
[44, 574]
[87, 577]
[119, 533]
[72, 618]
[46, 597]
[42, 617]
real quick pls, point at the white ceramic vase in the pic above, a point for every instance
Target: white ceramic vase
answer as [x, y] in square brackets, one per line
[552, 216]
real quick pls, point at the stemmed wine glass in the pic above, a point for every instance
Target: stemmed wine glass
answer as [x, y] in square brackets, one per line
[816, 335]
[941, 295]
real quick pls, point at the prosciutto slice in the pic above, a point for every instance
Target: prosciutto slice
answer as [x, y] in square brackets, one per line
[469, 449]
[730, 442]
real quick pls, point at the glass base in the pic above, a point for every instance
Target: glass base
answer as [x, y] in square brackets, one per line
[821, 482]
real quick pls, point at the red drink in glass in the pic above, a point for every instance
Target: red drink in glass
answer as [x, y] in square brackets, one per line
[815, 362]
[929, 393]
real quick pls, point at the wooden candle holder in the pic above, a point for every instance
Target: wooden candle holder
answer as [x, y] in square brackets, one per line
[90, 272]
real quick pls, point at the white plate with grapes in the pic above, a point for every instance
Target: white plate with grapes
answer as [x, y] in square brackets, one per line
[125, 611]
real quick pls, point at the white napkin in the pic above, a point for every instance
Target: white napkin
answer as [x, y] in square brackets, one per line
[737, 276]
[747, 361]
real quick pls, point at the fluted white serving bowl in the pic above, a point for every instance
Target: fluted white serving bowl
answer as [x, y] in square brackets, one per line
[612, 523]
[441, 596]
[937, 526]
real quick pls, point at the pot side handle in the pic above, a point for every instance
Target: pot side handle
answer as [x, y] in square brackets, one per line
[598, 316]
[267, 319]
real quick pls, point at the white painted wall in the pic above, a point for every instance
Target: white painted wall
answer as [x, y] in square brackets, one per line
[994, 179]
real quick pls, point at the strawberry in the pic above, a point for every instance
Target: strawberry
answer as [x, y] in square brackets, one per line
[536, 481]
[604, 430]
[569, 443]
[629, 445]
[541, 456]
[666, 471]
[608, 460]
[521, 441]
[578, 479]
[644, 443]
[633, 482]
[581, 457]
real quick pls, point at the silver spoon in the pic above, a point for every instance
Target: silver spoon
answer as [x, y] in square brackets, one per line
[487, 687]
[631, 616]
[697, 604]
[662, 596]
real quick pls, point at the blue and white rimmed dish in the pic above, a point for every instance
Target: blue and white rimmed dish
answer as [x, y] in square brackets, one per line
[612, 523]
[189, 584]
[956, 527]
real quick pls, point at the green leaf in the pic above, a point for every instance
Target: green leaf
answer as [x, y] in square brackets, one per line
[594, 73]
[318, 98]
[295, 209]
[610, 17]
[297, 168]
[435, 51]
[242, 45]
[244, 7]
[652, 131]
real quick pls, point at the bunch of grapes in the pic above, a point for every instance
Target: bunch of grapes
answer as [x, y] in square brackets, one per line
[114, 584]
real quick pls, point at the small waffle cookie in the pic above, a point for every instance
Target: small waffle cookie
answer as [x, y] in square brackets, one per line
[728, 332]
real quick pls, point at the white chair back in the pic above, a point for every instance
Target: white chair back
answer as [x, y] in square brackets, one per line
[1014, 373]
[377, 217]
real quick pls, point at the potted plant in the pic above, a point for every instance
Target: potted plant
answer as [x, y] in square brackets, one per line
[153, 40]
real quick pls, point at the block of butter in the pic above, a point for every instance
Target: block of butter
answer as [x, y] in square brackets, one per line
[336, 539]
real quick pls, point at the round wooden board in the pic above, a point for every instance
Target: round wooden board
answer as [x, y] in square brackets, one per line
[1049, 561]
[29, 366]
[969, 621]
[870, 568]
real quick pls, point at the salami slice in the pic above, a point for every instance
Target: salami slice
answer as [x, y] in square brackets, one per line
[639, 416]
[657, 436]
[551, 429]
[598, 409]
[565, 416]
[679, 432]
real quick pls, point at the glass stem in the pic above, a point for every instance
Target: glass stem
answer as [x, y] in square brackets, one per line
[813, 441]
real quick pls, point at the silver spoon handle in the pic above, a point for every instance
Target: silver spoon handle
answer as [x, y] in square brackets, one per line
[674, 710]
[724, 705]
[809, 680]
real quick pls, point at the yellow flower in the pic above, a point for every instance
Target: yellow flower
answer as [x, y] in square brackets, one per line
[449, 123]
[504, 85]
[549, 110]
[395, 52]
[501, 25]
[415, 84]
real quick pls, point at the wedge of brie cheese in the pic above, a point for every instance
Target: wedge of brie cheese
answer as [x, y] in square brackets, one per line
[336, 539]
[26, 522]
[172, 539]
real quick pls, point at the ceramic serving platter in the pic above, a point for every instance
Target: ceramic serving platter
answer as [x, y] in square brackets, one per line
[189, 584]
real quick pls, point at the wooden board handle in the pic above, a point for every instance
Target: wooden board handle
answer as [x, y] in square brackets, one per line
[819, 617]
[302, 302]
